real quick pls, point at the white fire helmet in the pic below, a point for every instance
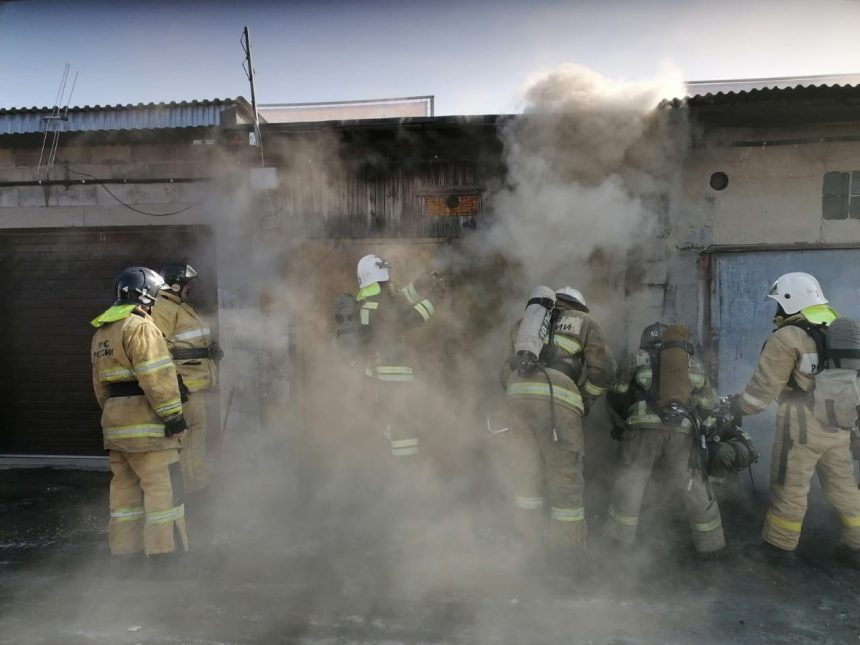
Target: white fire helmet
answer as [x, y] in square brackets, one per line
[569, 293]
[796, 291]
[372, 268]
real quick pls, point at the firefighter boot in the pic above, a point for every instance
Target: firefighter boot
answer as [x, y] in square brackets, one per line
[848, 557]
[770, 554]
[711, 556]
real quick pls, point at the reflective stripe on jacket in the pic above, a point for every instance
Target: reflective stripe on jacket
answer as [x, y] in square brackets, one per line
[576, 334]
[185, 328]
[385, 316]
[131, 350]
[786, 367]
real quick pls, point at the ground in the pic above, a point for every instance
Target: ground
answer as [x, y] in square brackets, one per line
[262, 577]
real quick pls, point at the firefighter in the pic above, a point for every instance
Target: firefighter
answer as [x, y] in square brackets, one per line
[661, 405]
[549, 390]
[190, 342]
[385, 315]
[135, 383]
[802, 445]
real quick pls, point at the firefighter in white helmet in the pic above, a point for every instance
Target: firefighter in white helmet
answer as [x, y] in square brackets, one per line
[802, 445]
[196, 354]
[554, 375]
[386, 313]
[135, 383]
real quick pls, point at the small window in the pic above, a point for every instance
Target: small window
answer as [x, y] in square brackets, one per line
[840, 195]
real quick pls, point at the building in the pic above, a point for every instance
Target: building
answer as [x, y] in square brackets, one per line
[769, 185]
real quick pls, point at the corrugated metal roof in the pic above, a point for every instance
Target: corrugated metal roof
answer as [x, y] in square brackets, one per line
[142, 116]
[742, 85]
[768, 89]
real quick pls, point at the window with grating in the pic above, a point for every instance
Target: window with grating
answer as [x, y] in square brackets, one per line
[840, 195]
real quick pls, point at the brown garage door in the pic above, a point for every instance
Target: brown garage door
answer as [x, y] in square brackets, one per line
[52, 283]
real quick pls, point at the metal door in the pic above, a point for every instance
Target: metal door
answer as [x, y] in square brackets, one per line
[742, 315]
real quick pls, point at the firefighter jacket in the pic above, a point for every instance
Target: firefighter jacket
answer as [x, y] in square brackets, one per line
[576, 360]
[634, 394]
[189, 340]
[129, 352]
[386, 314]
[787, 365]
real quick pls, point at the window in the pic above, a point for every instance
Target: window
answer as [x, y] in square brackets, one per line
[840, 195]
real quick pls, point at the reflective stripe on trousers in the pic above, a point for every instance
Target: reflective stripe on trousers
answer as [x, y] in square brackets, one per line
[404, 447]
[778, 522]
[425, 309]
[594, 390]
[528, 503]
[533, 388]
[163, 517]
[626, 520]
[705, 527]
[567, 514]
[392, 373]
[127, 514]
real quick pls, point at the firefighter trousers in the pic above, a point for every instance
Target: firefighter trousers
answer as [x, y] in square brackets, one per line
[146, 506]
[539, 463]
[397, 412]
[802, 448]
[640, 450]
[193, 454]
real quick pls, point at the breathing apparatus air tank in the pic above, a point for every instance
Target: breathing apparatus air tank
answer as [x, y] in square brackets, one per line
[675, 388]
[535, 325]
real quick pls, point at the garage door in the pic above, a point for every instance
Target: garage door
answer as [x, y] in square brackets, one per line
[742, 315]
[52, 283]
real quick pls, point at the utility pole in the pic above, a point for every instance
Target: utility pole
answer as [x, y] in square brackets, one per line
[248, 65]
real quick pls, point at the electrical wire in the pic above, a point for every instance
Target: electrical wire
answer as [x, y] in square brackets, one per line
[128, 206]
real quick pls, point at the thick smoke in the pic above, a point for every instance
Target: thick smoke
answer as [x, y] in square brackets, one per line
[313, 501]
[590, 169]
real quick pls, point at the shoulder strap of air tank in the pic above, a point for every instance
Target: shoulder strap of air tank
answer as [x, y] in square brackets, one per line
[817, 334]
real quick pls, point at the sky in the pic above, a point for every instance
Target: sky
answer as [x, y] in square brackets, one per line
[475, 56]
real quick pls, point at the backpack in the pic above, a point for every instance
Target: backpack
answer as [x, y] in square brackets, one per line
[346, 313]
[836, 397]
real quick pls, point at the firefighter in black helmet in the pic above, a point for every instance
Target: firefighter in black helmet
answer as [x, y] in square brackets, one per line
[134, 380]
[660, 397]
[196, 354]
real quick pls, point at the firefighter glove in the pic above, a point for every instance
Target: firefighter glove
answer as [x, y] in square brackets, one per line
[526, 362]
[175, 425]
[184, 392]
[215, 352]
[735, 405]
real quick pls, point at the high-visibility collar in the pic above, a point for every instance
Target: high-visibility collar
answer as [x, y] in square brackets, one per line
[820, 314]
[117, 312]
[368, 292]
[815, 314]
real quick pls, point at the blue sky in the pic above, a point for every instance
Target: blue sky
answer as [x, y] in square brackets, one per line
[474, 55]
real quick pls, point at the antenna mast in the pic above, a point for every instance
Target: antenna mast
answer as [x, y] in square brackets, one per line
[53, 122]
